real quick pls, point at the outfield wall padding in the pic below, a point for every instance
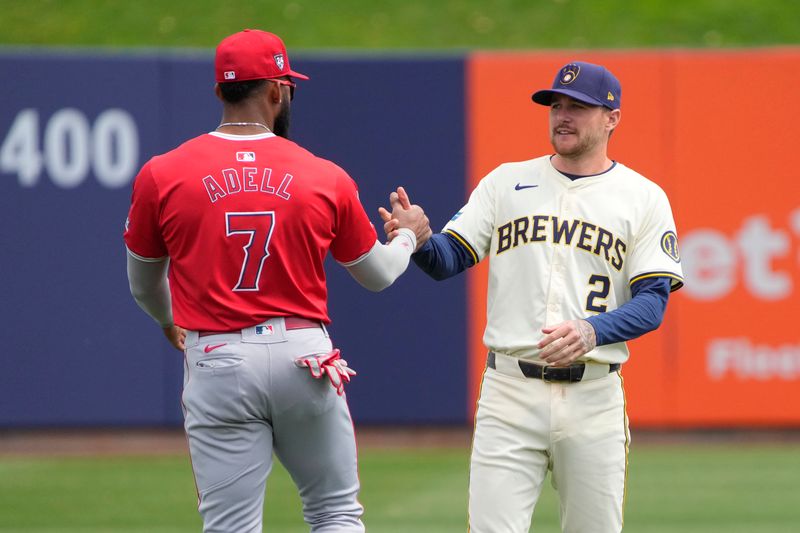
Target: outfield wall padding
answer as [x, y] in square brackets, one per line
[715, 129]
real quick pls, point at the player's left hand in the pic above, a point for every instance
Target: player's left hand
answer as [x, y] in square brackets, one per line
[176, 336]
[330, 363]
[565, 342]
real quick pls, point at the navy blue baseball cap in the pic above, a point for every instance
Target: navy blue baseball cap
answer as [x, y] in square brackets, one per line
[585, 82]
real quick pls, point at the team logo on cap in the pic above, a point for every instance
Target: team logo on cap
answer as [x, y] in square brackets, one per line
[279, 61]
[569, 73]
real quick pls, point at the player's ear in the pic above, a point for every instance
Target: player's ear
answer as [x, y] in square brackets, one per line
[218, 91]
[613, 117]
[274, 92]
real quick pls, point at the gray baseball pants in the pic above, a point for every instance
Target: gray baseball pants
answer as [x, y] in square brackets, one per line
[243, 399]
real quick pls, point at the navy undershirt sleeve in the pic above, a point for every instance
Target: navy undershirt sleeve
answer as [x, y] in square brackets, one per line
[442, 257]
[641, 314]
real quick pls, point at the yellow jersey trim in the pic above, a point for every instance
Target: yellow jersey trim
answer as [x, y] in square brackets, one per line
[676, 282]
[463, 242]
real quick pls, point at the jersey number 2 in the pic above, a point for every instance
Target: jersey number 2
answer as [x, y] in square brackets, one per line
[257, 227]
[600, 293]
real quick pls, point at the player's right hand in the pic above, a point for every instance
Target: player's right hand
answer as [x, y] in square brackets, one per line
[405, 215]
[176, 336]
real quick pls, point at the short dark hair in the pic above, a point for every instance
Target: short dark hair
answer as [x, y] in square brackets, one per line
[235, 91]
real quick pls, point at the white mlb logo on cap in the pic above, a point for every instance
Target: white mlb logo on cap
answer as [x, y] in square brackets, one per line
[230, 75]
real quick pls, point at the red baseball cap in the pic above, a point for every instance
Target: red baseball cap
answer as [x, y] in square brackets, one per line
[252, 55]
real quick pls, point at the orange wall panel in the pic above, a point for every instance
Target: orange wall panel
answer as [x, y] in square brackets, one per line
[738, 195]
[717, 130]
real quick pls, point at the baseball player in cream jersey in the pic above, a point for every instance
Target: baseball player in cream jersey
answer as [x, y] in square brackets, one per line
[583, 256]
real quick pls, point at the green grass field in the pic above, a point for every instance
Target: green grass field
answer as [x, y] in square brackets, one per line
[405, 24]
[676, 488]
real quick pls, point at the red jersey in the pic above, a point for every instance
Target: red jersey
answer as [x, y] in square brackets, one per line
[246, 222]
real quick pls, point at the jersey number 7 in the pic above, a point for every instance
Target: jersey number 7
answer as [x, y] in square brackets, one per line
[257, 227]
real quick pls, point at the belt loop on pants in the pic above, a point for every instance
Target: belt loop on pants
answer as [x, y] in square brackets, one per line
[567, 374]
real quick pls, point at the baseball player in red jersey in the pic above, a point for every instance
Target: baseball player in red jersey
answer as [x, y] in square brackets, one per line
[226, 238]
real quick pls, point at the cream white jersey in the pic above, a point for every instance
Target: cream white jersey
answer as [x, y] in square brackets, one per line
[561, 249]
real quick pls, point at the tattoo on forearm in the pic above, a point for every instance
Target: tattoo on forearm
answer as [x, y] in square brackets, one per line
[587, 334]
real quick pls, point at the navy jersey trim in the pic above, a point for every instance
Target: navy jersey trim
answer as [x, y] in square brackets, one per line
[676, 282]
[463, 242]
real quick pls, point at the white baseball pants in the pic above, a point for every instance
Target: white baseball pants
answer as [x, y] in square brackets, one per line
[525, 427]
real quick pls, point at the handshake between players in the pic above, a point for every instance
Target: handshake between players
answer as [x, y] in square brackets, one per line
[561, 344]
[404, 214]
